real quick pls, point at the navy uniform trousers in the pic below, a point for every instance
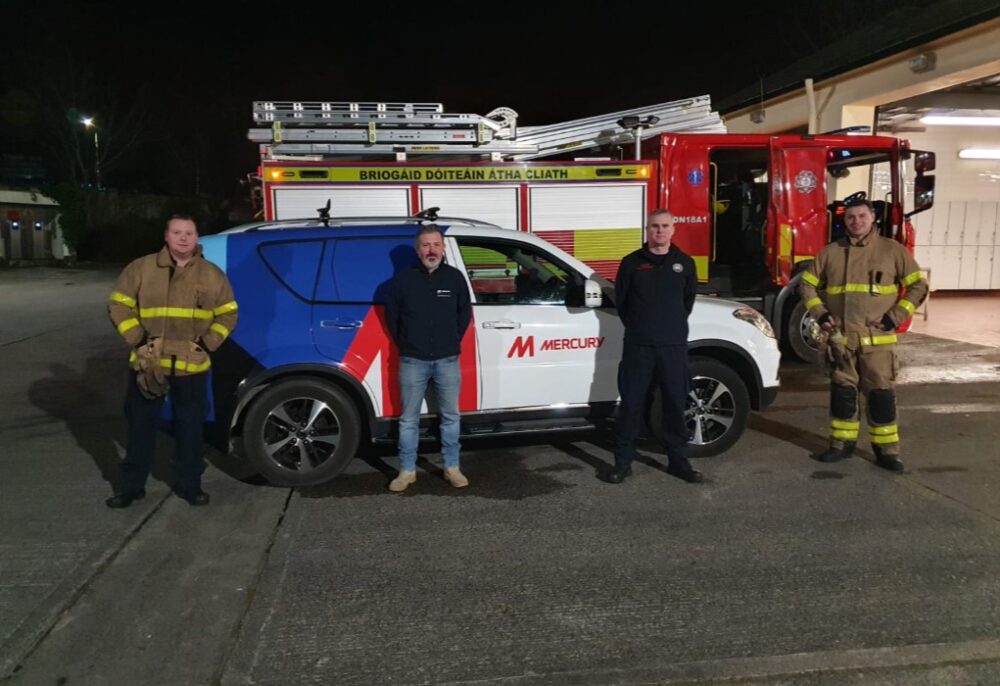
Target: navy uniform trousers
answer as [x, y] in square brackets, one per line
[190, 403]
[640, 368]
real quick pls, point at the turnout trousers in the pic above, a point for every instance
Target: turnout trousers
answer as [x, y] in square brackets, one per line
[869, 371]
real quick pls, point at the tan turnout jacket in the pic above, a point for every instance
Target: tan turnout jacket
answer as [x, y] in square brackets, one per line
[191, 308]
[859, 282]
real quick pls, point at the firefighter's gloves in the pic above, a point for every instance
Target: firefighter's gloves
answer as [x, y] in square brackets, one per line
[826, 321]
[836, 348]
[150, 376]
[884, 324]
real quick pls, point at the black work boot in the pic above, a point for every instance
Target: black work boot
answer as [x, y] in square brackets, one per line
[618, 474]
[837, 454]
[123, 500]
[683, 470]
[890, 462]
[198, 499]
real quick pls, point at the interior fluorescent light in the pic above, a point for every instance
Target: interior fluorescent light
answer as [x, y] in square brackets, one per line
[959, 120]
[979, 153]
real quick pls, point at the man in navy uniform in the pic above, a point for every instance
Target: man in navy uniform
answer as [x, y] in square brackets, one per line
[654, 293]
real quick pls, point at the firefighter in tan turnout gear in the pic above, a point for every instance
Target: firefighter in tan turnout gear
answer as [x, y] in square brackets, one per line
[172, 308]
[853, 291]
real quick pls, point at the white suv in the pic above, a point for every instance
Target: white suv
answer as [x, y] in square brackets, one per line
[310, 371]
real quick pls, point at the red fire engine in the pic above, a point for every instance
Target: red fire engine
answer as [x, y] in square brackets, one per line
[750, 209]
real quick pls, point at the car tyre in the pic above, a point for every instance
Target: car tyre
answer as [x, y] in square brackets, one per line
[717, 409]
[302, 432]
[797, 334]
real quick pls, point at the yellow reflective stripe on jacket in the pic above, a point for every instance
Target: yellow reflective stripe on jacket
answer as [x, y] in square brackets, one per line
[219, 329]
[861, 288]
[813, 302]
[128, 324]
[841, 424]
[882, 440]
[179, 312]
[182, 366]
[230, 306]
[888, 430]
[122, 298]
[911, 279]
[845, 435]
[879, 340]
[908, 306]
[810, 278]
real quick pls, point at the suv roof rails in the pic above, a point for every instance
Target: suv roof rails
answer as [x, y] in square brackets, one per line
[313, 222]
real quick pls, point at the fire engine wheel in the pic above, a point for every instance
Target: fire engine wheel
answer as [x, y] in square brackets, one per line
[302, 432]
[798, 336]
[717, 408]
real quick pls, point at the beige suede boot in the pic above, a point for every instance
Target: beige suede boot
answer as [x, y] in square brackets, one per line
[402, 481]
[455, 477]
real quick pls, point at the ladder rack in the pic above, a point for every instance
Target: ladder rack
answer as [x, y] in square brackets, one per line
[321, 130]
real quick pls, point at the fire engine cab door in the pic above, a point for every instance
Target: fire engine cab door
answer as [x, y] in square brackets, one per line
[797, 214]
[535, 351]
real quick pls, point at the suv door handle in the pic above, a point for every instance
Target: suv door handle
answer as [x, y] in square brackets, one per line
[343, 324]
[502, 324]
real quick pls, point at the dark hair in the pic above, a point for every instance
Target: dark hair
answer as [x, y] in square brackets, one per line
[859, 203]
[426, 228]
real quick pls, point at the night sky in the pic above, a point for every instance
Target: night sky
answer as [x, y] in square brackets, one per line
[178, 83]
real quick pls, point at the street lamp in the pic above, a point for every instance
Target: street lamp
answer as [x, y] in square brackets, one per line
[88, 122]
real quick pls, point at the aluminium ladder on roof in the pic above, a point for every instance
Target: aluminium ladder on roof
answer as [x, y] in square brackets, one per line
[352, 127]
[692, 115]
[329, 129]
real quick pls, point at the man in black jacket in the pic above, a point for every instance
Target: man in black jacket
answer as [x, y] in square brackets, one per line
[654, 293]
[427, 310]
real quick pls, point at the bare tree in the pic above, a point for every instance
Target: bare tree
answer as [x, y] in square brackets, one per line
[116, 123]
[59, 84]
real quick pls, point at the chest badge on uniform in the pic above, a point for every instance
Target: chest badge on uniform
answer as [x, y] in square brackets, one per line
[678, 267]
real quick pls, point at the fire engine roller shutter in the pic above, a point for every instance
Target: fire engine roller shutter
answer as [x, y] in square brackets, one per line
[486, 203]
[381, 201]
[596, 223]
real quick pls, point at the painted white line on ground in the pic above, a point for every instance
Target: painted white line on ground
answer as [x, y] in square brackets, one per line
[963, 408]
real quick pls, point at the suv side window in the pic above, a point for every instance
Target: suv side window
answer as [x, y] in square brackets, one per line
[512, 273]
[294, 263]
[358, 270]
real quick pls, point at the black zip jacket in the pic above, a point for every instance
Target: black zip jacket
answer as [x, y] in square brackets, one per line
[654, 295]
[428, 312]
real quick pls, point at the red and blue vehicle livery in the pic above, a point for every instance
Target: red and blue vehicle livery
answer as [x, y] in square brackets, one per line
[310, 372]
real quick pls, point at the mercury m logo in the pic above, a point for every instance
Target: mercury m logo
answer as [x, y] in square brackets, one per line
[522, 345]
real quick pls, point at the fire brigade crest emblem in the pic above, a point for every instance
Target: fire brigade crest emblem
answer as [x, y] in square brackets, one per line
[805, 181]
[678, 267]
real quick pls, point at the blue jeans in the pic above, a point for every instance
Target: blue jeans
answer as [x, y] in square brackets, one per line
[414, 376]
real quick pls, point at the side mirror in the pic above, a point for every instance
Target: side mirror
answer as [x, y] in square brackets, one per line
[924, 161]
[592, 296]
[923, 193]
